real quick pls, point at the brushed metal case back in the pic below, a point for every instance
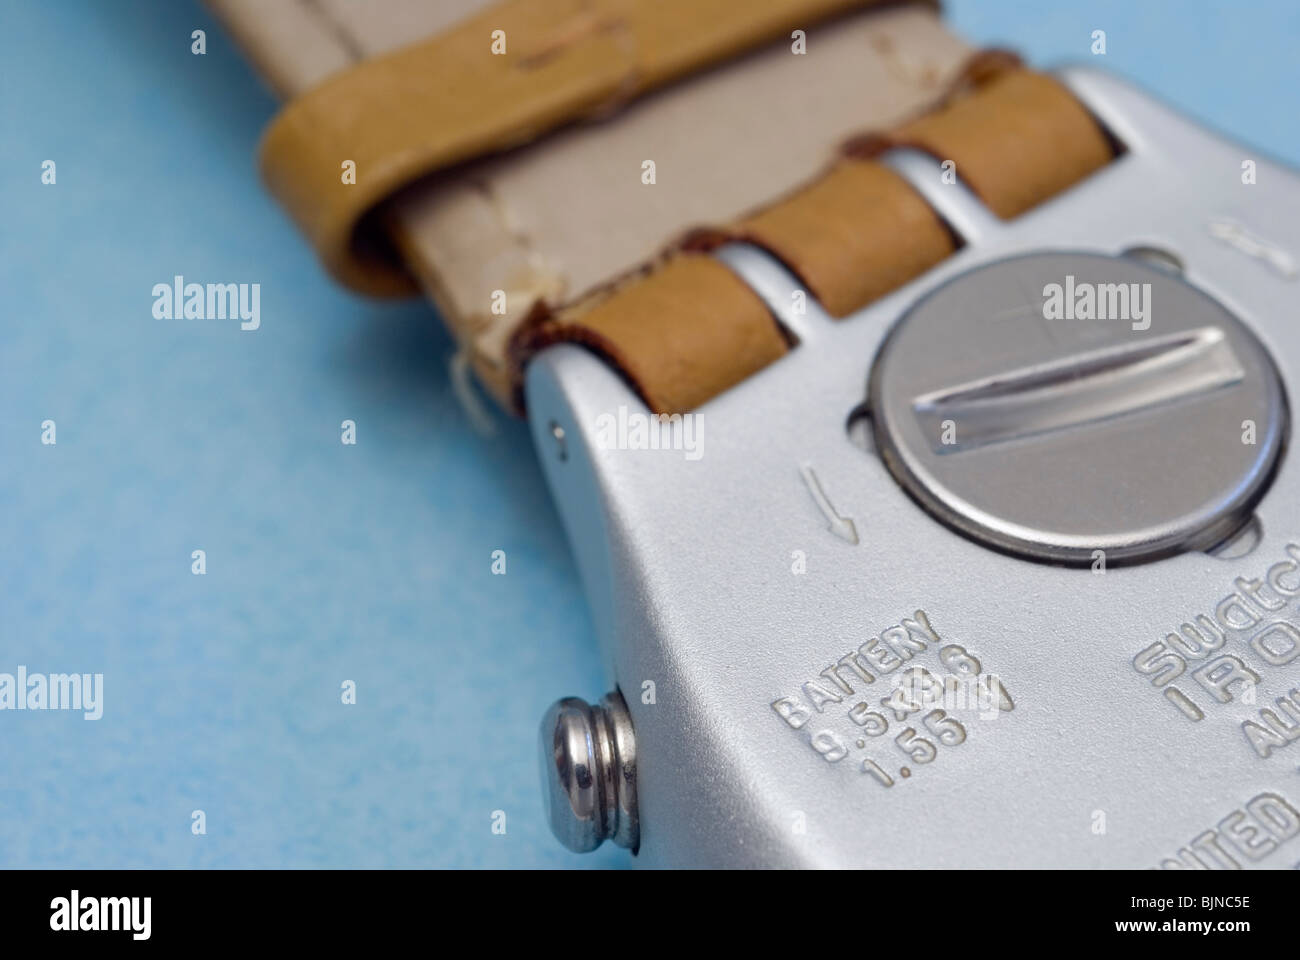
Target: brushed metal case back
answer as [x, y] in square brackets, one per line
[757, 575]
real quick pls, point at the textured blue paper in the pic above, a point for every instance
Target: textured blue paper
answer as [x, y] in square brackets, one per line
[325, 562]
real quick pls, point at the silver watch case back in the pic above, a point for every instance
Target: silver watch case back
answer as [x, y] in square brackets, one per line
[984, 575]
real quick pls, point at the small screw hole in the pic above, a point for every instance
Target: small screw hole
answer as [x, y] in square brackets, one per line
[561, 447]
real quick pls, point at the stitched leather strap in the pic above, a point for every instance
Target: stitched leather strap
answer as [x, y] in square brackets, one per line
[492, 238]
[451, 98]
[487, 229]
[1020, 140]
[852, 235]
[1016, 137]
[662, 331]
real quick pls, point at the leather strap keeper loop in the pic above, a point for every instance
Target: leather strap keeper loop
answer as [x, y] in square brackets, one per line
[660, 329]
[859, 231]
[855, 233]
[1017, 137]
[450, 99]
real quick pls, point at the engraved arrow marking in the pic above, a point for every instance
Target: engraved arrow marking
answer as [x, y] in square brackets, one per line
[842, 527]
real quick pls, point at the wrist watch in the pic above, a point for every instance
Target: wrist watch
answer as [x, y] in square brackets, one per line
[919, 420]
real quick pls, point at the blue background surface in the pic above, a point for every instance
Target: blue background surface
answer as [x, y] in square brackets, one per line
[325, 562]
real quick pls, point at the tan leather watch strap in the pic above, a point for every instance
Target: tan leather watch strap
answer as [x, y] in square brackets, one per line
[853, 234]
[1021, 139]
[662, 331]
[496, 80]
[1015, 137]
[538, 233]
[490, 239]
